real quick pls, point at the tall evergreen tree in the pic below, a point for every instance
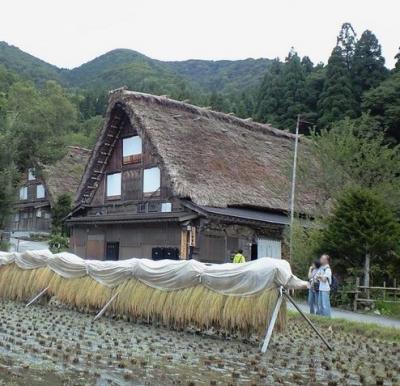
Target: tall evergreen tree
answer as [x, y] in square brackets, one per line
[397, 64]
[337, 99]
[368, 68]
[362, 232]
[270, 98]
[346, 40]
[294, 96]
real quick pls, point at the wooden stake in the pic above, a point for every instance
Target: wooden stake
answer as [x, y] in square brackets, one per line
[307, 319]
[37, 296]
[271, 324]
[103, 310]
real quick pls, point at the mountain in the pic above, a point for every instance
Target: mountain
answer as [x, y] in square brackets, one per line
[122, 67]
[26, 65]
[222, 75]
[127, 67]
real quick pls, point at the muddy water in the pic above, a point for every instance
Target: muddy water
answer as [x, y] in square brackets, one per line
[44, 345]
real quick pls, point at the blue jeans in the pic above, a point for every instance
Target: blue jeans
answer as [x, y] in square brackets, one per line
[324, 304]
[313, 301]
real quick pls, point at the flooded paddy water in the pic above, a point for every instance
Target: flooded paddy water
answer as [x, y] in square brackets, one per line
[47, 345]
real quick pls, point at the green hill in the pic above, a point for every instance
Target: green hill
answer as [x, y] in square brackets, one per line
[139, 72]
[222, 75]
[26, 65]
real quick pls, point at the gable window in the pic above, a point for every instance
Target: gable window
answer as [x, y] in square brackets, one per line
[131, 150]
[151, 180]
[166, 207]
[113, 185]
[23, 193]
[31, 174]
[40, 193]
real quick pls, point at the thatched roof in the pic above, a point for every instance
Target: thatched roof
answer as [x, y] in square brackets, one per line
[214, 159]
[65, 175]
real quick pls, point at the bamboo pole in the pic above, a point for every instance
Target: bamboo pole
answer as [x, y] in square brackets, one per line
[37, 296]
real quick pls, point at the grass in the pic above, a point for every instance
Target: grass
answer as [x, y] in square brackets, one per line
[388, 309]
[368, 330]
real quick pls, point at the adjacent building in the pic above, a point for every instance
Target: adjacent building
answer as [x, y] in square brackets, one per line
[170, 180]
[41, 185]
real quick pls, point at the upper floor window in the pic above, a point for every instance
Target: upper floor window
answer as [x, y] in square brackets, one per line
[40, 193]
[23, 193]
[131, 150]
[31, 174]
[151, 180]
[113, 188]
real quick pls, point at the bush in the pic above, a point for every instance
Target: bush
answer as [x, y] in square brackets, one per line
[58, 243]
[4, 246]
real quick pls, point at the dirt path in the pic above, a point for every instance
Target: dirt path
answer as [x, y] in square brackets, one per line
[354, 316]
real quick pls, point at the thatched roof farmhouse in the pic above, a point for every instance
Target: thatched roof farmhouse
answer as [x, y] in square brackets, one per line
[41, 185]
[221, 180]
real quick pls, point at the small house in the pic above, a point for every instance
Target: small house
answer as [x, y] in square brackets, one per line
[167, 179]
[40, 187]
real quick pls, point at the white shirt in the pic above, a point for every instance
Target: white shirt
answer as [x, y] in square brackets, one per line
[325, 271]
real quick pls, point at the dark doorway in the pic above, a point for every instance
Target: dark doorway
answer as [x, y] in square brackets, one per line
[112, 251]
[254, 254]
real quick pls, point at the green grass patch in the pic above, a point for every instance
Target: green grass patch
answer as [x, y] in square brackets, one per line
[338, 325]
[388, 309]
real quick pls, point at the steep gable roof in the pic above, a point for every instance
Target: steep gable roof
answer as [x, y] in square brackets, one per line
[65, 175]
[212, 158]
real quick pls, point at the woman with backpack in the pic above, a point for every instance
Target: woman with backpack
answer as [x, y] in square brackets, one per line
[324, 277]
[314, 287]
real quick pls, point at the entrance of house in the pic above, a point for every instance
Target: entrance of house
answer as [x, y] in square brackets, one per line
[266, 248]
[112, 250]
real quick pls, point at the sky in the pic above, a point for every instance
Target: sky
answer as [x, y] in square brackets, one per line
[69, 33]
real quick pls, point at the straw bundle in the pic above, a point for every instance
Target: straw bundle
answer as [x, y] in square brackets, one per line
[196, 306]
[83, 293]
[22, 284]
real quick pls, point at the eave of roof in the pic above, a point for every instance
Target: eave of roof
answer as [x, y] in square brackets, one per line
[242, 214]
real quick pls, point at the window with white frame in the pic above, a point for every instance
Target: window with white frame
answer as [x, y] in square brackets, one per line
[151, 180]
[269, 248]
[31, 174]
[40, 193]
[23, 193]
[113, 185]
[131, 149]
[166, 207]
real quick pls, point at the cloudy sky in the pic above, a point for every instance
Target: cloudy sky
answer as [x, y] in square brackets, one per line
[69, 33]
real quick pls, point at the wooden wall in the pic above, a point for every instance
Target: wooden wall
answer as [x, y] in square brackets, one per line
[134, 240]
[132, 174]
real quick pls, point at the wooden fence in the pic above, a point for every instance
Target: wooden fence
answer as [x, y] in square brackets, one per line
[370, 294]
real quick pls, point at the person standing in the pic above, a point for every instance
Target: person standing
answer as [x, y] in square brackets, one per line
[324, 276]
[314, 287]
[239, 258]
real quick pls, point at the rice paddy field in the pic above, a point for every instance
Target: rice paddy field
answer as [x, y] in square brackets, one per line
[50, 345]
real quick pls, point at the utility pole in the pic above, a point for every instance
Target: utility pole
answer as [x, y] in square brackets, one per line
[292, 195]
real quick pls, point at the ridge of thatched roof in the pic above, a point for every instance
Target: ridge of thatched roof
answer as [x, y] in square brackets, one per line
[215, 159]
[65, 175]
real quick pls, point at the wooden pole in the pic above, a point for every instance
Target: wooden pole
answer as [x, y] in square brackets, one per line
[103, 310]
[384, 290]
[356, 294]
[292, 195]
[310, 323]
[37, 296]
[272, 322]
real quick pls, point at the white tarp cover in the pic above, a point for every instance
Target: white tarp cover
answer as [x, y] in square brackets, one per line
[229, 279]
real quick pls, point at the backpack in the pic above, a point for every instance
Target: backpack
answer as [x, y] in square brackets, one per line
[334, 284]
